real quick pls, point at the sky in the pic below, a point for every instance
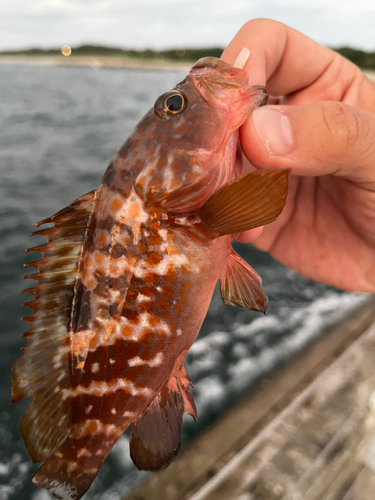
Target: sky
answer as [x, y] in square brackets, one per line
[160, 24]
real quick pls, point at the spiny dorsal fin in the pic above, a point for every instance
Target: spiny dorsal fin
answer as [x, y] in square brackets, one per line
[155, 437]
[251, 201]
[241, 286]
[44, 370]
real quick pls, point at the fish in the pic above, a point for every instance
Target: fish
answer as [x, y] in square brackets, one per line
[126, 277]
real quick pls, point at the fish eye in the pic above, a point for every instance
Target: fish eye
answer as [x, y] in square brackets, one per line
[174, 104]
[170, 104]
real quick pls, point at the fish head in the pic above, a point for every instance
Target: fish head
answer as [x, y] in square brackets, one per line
[192, 135]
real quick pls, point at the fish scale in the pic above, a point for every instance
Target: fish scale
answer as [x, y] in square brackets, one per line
[126, 278]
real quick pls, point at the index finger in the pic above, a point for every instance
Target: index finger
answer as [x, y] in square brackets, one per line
[286, 61]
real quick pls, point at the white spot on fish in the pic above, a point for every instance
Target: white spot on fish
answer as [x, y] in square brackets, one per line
[137, 361]
[129, 414]
[101, 388]
[88, 409]
[83, 453]
[95, 367]
[142, 298]
[113, 411]
[179, 332]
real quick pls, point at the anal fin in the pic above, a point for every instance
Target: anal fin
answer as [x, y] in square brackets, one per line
[155, 437]
[241, 286]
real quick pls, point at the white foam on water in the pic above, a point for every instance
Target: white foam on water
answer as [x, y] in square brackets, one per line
[15, 473]
[292, 329]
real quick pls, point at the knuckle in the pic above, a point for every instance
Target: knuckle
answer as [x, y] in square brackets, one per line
[345, 127]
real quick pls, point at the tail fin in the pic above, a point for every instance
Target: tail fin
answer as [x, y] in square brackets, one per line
[70, 470]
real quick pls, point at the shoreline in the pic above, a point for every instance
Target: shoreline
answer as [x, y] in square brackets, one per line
[117, 62]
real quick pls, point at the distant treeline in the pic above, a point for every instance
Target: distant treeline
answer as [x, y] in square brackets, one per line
[365, 60]
[97, 50]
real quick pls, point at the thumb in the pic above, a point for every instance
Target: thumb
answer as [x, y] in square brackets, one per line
[312, 140]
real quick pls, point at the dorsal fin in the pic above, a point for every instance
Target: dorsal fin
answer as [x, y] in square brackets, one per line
[44, 370]
[155, 437]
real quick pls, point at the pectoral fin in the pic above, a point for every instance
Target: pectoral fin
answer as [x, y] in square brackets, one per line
[241, 286]
[155, 437]
[252, 201]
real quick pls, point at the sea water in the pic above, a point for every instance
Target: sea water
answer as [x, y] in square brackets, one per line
[59, 128]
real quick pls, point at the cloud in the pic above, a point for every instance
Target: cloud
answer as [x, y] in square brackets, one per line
[177, 23]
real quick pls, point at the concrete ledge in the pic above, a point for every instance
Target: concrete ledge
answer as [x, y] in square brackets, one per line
[299, 435]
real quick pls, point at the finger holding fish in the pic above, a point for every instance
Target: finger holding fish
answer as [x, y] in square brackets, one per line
[322, 130]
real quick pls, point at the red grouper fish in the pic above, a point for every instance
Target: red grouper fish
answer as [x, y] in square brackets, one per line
[126, 278]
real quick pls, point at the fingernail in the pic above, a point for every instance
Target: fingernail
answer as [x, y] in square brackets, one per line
[273, 129]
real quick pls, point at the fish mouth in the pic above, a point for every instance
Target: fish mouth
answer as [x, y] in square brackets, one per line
[259, 91]
[218, 72]
[213, 75]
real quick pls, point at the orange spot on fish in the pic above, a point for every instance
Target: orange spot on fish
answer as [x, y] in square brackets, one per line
[186, 270]
[113, 269]
[141, 182]
[172, 250]
[131, 295]
[145, 307]
[99, 257]
[163, 304]
[191, 176]
[88, 262]
[153, 259]
[164, 150]
[154, 226]
[131, 315]
[153, 135]
[163, 137]
[167, 125]
[84, 274]
[110, 328]
[152, 159]
[102, 240]
[147, 290]
[93, 343]
[154, 240]
[134, 211]
[151, 150]
[135, 143]
[176, 183]
[177, 166]
[162, 163]
[171, 275]
[153, 320]
[142, 247]
[90, 284]
[151, 278]
[126, 331]
[116, 205]
[151, 197]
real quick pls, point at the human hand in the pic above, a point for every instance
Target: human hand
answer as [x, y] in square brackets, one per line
[323, 129]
